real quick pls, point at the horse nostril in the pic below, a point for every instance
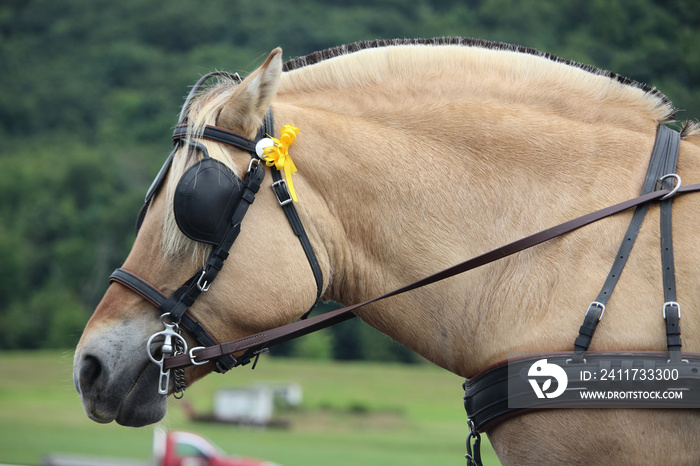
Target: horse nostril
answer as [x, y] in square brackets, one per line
[90, 371]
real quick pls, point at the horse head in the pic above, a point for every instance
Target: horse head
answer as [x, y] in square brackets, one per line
[260, 287]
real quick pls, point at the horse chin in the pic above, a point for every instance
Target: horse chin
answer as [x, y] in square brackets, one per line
[143, 405]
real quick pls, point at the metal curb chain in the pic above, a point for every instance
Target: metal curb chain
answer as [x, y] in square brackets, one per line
[179, 374]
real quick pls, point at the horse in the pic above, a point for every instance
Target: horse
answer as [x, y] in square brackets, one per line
[412, 156]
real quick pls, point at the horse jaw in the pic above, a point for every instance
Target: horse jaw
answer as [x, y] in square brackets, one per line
[113, 374]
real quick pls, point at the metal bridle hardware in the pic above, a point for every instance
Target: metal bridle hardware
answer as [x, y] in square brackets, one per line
[473, 458]
[167, 349]
[672, 304]
[601, 306]
[192, 356]
[253, 162]
[203, 287]
[676, 187]
[282, 184]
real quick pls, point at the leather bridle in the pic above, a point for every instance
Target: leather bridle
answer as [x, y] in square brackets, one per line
[174, 308]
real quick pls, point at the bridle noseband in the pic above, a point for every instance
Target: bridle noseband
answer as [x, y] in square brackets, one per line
[209, 205]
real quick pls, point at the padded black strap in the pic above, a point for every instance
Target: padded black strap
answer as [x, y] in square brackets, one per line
[486, 395]
[139, 286]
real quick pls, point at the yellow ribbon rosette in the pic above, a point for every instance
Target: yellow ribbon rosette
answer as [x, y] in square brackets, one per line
[278, 155]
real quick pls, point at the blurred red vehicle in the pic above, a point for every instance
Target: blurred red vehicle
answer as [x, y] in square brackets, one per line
[188, 449]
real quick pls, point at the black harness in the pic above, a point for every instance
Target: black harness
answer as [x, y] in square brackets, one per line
[210, 202]
[487, 395]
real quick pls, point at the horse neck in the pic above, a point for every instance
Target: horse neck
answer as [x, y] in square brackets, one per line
[400, 195]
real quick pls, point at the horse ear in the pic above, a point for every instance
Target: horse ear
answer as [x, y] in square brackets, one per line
[247, 105]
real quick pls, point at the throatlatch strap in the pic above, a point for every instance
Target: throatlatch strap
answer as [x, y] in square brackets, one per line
[279, 186]
[663, 156]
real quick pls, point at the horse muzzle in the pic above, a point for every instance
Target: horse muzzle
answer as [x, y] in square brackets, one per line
[115, 378]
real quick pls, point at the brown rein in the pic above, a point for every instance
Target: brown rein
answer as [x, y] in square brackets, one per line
[255, 344]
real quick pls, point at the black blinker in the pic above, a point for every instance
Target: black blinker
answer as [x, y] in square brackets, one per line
[205, 198]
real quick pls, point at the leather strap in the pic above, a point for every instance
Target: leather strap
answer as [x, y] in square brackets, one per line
[671, 309]
[158, 299]
[258, 342]
[664, 157]
[214, 133]
[279, 186]
[285, 199]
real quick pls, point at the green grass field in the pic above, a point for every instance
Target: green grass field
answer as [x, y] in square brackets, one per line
[352, 414]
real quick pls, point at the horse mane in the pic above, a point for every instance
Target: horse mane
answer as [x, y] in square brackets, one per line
[664, 103]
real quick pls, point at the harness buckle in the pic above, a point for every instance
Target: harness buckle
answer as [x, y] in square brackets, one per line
[283, 190]
[599, 305]
[202, 284]
[473, 457]
[192, 356]
[255, 162]
[671, 304]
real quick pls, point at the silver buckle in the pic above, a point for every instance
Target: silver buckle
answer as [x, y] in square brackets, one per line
[192, 356]
[252, 162]
[675, 188]
[672, 303]
[203, 286]
[282, 183]
[600, 305]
